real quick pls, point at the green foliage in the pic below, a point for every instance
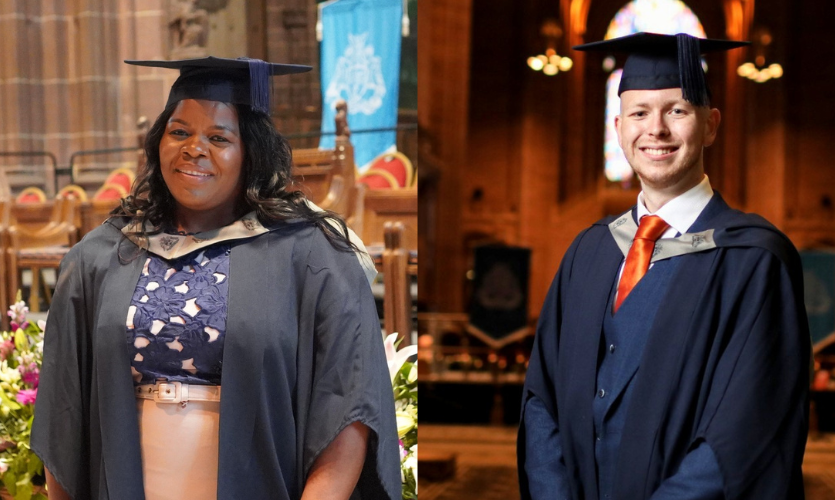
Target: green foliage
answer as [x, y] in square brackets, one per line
[405, 401]
[21, 354]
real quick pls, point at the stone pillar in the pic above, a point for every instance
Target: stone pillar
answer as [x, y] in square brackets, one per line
[291, 38]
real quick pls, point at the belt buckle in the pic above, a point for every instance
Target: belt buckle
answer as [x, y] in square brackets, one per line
[168, 392]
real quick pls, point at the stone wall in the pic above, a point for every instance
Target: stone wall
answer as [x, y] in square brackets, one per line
[63, 86]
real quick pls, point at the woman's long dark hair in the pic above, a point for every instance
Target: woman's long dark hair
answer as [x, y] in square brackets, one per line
[266, 172]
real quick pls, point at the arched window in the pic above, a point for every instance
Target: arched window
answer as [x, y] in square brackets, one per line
[657, 16]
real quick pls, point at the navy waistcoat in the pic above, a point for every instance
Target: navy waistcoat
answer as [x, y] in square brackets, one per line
[621, 348]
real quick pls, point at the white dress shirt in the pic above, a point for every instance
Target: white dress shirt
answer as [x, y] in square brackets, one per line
[680, 212]
[683, 210]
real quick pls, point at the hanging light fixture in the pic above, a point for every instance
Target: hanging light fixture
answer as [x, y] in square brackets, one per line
[550, 62]
[758, 71]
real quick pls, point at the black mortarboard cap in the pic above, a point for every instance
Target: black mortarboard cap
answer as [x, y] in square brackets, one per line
[238, 81]
[657, 62]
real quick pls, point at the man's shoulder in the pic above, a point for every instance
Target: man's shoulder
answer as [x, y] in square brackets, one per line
[593, 233]
[605, 221]
[592, 244]
[737, 229]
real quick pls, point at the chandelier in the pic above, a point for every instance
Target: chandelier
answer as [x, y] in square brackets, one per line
[550, 62]
[758, 71]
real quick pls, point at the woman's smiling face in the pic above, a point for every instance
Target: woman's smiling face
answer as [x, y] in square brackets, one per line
[201, 157]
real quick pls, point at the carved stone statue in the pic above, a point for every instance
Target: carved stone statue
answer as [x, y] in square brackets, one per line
[342, 119]
[189, 28]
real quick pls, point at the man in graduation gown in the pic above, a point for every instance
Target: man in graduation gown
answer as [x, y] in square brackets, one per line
[672, 355]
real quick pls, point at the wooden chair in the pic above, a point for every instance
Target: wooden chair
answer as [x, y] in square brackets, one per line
[390, 170]
[97, 210]
[94, 213]
[397, 298]
[38, 248]
[379, 179]
[110, 192]
[73, 215]
[72, 191]
[123, 177]
[389, 205]
[31, 194]
[327, 176]
[91, 176]
[33, 210]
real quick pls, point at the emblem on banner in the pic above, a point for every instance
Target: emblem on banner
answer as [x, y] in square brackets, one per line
[358, 77]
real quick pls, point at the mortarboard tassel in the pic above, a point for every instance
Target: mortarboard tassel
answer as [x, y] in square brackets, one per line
[693, 84]
[259, 77]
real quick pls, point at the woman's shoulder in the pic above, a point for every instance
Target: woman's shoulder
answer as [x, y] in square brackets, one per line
[99, 242]
[304, 236]
[311, 245]
[109, 232]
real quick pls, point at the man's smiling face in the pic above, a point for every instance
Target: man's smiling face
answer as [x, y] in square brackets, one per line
[663, 137]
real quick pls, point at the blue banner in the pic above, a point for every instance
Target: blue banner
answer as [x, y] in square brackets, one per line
[360, 63]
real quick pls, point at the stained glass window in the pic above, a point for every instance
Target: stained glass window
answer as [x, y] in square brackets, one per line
[657, 16]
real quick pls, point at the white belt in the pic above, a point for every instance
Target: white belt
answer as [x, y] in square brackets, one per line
[177, 392]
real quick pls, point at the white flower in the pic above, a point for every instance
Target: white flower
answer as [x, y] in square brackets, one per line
[411, 461]
[25, 359]
[3, 466]
[397, 358]
[9, 375]
[405, 423]
[18, 311]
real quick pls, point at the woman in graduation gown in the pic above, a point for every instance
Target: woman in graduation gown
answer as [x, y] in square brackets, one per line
[217, 336]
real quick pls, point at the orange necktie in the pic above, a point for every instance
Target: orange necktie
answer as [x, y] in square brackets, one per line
[650, 229]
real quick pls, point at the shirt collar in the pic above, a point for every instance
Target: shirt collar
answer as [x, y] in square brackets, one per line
[683, 210]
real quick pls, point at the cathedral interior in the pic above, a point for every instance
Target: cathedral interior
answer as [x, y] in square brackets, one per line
[520, 158]
[512, 130]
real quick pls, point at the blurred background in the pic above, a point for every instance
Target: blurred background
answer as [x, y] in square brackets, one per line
[73, 118]
[518, 156]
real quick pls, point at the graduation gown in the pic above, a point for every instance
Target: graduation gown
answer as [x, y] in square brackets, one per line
[303, 358]
[726, 361]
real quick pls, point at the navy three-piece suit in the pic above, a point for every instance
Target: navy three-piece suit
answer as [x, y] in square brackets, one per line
[696, 388]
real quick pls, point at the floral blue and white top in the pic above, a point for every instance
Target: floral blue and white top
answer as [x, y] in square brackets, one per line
[176, 323]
